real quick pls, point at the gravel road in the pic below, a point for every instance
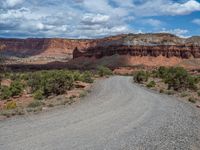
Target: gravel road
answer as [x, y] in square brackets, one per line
[116, 115]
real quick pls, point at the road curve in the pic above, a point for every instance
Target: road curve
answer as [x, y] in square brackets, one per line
[116, 115]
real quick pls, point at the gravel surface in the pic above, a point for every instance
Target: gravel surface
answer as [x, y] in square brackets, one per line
[116, 115]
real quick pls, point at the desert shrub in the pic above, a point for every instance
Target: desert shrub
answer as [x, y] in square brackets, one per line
[162, 72]
[35, 104]
[151, 84]
[192, 100]
[178, 78]
[38, 95]
[198, 93]
[104, 71]
[51, 82]
[14, 76]
[161, 91]
[16, 88]
[77, 76]
[184, 94]
[24, 76]
[5, 92]
[87, 77]
[10, 105]
[57, 85]
[141, 76]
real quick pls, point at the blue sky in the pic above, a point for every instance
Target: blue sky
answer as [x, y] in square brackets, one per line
[97, 18]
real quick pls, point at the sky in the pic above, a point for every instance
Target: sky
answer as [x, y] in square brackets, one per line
[97, 18]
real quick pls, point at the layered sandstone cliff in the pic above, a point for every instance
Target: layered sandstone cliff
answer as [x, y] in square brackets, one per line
[155, 45]
[161, 44]
[180, 51]
[45, 47]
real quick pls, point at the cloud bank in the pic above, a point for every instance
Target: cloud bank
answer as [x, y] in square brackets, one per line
[89, 18]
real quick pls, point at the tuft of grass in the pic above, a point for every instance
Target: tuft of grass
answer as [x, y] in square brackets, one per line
[192, 100]
[151, 84]
[169, 92]
[198, 93]
[10, 105]
[161, 91]
[184, 94]
[35, 104]
[83, 94]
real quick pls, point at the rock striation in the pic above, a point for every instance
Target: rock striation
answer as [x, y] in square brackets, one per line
[45, 47]
[160, 44]
[180, 51]
[155, 45]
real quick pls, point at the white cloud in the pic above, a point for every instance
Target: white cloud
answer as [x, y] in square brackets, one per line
[95, 19]
[152, 22]
[178, 32]
[12, 3]
[182, 9]
[86, 18]
[166, 7]
[196, 21]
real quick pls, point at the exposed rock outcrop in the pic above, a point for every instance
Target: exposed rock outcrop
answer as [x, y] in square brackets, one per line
[180, 51]
[161, 44]
[45, 47]
[155, 45]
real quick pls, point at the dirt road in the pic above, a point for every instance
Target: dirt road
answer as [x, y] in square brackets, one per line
[116, 115]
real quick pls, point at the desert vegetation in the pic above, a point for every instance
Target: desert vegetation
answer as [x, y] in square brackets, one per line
[104, 71]
[31, 91]
[172, 81]
[35, 88]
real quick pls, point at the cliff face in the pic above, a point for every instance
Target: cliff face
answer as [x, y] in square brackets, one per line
[42, 47]
[167, 45]
[155, 45]
[180, 51]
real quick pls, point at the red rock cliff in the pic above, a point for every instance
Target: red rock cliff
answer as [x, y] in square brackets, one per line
[44, 47]
[180, 51]
[127, 44]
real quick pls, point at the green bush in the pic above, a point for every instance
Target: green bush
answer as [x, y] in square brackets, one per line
[87, 77]
[5, 92]
[38, 95]
[104, 71]
[162, 72]
[141, 77]
[43, 83]
[77, 76]
[177, 78]
[151, 84]
[16, 88]
[51, 82]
